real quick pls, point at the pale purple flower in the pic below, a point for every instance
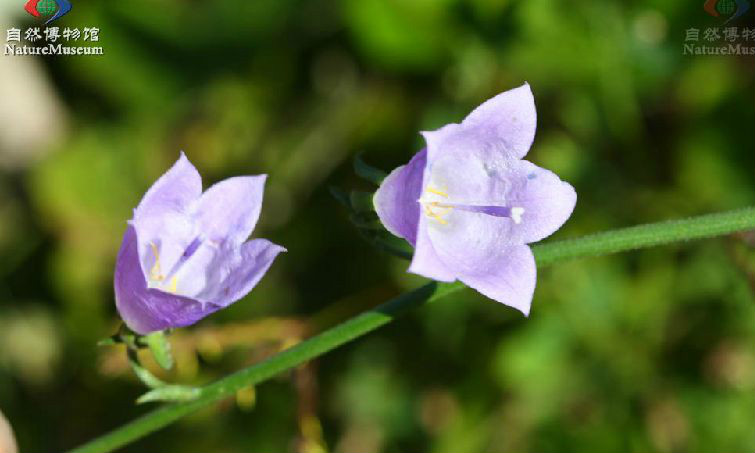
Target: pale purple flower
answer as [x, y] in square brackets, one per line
[185, 253]
[470, 205]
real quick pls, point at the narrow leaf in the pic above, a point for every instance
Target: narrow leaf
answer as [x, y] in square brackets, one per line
[149, 379]
[108, 341]
[170, 393]
[341, 196]
[394, 246]
[368, 172]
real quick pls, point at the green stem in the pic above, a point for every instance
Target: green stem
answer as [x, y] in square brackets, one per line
[545, 254]
[648, 235]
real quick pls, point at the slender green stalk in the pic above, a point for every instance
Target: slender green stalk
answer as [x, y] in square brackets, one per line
[648, 235]
[545, 254]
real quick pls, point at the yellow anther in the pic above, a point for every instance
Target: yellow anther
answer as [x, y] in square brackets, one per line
[429, 206]
[433, 215]
[447, 208]
[173, 285]
[154, 273]
[437, 192]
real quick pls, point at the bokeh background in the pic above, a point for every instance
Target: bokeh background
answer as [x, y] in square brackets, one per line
[646, 351]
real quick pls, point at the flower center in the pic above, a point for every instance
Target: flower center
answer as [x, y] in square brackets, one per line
[436, 207]
[436, 210]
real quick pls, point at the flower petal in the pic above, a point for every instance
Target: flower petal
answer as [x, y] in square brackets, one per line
[249, 266]
[222, 273]
[174, 191]
[425, 260]
[199, 270]
[396, 198]
[147, 310]
[162, 242]
[501, 129]
[544, 201]
[162, 222]
[509, 118]
[508, 277]
[229, 209]
[467, 241]
[464, 172]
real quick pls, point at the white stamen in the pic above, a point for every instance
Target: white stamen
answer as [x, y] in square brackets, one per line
[516, 214]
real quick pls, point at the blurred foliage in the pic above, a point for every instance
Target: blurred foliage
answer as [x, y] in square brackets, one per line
[648, 351]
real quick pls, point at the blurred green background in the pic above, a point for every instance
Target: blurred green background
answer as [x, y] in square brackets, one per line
[646, 351]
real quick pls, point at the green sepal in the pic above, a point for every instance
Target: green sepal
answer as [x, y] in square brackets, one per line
[160, 347]
[123, 336]
[362, 201]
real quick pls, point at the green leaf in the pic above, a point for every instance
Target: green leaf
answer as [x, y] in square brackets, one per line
[368, 172]
[366, 223]
[110, 341]
[394, 246]
[341, 196]
[170, 393]
[149, 379]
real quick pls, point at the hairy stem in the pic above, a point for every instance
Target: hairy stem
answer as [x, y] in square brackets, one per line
[597, 244]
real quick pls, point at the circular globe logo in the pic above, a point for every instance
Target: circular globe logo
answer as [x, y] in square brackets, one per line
[47, 7]
[54, 9]
[726, 7]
